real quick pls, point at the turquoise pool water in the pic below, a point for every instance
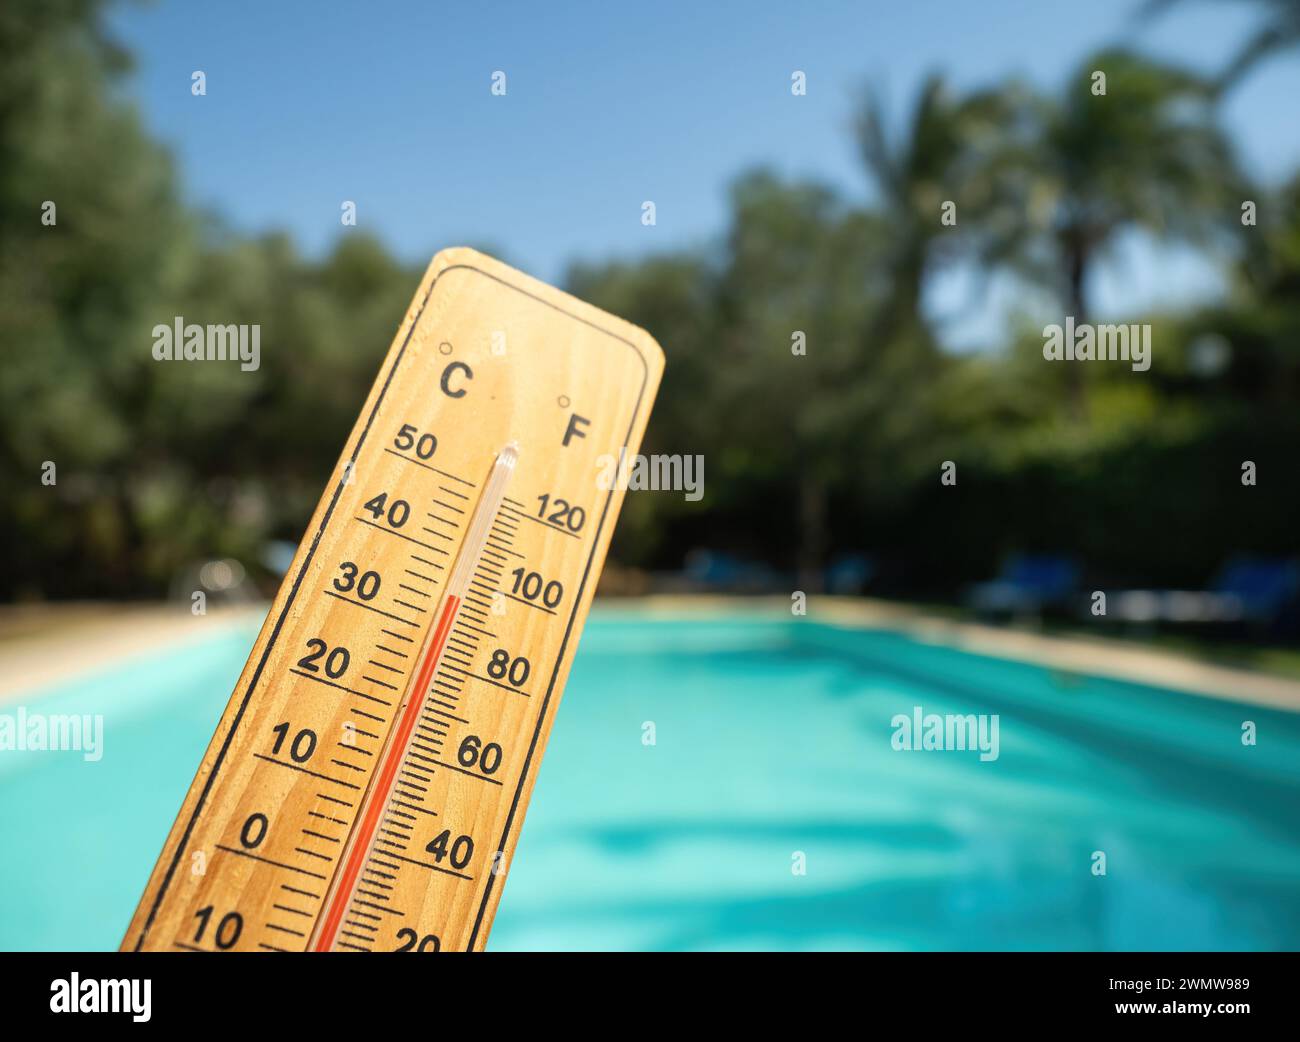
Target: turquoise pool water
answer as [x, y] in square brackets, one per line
[772, 739]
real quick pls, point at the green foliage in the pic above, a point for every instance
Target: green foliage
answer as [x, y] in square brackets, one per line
[806, 455]
[158, 465]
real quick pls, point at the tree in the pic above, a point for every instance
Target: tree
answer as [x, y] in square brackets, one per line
[948, 152]
[79, 293]
[675, 297]
[804, 429]
[1147, 154]
[158, 464]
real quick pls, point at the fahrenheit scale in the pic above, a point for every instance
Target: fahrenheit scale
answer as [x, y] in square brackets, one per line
[367, 782]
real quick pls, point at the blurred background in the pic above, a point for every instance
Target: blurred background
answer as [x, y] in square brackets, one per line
[1171, 200]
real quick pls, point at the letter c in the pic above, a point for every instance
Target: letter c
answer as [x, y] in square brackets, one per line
[446, 379]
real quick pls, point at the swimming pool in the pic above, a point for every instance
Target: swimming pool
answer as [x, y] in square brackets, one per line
[772, 751]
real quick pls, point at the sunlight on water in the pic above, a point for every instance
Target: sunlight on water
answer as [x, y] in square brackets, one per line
[771, 738]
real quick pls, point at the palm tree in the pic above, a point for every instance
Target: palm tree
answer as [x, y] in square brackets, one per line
[1280, 30]
[1145, 155]
[946, 152]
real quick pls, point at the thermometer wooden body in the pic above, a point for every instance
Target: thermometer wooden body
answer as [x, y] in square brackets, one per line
[367, 782]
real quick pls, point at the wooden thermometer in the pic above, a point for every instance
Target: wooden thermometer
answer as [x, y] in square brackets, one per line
[366, 785]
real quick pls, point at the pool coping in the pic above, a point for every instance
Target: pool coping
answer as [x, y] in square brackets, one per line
[110, 634]
[41, 654]
[1091, 656]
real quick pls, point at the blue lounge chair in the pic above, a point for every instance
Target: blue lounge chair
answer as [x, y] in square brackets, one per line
[1028, 584]
[1256, 590]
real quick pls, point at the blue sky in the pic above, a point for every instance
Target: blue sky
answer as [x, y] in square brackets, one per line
[610, 104]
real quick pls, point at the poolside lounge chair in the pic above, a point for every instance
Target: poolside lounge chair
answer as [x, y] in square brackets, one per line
[1028, 584]
[849, 573]
[1252, 590]
[716, 571]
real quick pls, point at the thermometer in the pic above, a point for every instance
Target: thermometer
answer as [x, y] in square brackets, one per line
[367, 782]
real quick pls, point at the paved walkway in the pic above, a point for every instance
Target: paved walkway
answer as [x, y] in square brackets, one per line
[45, 644]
